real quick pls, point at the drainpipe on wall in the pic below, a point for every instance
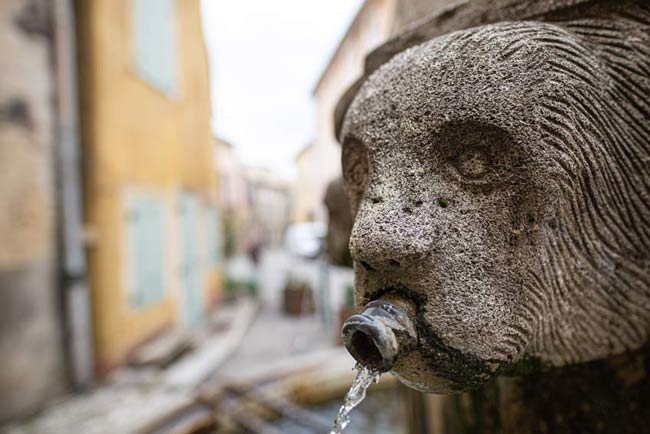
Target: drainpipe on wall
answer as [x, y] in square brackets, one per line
[75, 293]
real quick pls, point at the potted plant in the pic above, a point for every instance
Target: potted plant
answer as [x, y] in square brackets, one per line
[298, 297]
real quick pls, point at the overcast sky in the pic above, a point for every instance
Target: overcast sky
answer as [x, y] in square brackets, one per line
[265, 58]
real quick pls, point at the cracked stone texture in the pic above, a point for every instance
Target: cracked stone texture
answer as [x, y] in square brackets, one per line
[500, 177]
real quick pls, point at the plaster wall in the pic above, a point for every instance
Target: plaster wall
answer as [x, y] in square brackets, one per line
[270, 205]
[235, 201]
[140, 139]
[233, 186]
[302, 209]
[321, 162]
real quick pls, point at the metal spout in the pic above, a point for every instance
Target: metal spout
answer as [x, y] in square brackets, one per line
[381, 333]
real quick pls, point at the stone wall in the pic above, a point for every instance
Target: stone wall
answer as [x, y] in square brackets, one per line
[30, 339]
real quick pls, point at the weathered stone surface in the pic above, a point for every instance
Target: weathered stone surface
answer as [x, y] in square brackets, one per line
[339, 224]
[33, 369]
[604, 396]
[500, 177]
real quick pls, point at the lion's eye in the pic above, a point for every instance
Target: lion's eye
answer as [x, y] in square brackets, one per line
[480, 157]
[473, 164]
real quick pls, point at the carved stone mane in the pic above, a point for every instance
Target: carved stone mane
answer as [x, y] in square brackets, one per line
[594, 117]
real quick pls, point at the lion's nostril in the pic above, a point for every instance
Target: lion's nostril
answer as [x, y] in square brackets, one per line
[393, 263]
[366, 265]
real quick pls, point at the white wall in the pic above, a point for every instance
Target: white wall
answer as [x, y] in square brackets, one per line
[322, 164]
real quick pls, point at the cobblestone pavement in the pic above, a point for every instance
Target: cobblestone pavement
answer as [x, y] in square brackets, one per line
[113, 408]
[275, 336]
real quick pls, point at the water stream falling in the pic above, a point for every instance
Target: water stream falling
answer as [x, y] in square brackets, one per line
[365, 377]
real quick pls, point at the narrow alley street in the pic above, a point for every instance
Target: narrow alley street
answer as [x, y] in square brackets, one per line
[274, 336]
[251, 340]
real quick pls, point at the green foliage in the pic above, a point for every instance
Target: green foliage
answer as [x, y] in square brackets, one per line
[348, 300]
[238, 287]
[294, 283]
[230, 236]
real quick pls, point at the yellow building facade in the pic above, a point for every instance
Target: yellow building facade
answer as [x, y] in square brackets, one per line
[302, 207]
[150, 181]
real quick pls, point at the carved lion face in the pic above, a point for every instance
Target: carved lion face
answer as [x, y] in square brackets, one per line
[500, 179]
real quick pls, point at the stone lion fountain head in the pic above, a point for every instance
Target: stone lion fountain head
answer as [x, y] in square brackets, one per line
[500, 179]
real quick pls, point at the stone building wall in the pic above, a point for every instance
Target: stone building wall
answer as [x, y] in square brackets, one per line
[30, 338]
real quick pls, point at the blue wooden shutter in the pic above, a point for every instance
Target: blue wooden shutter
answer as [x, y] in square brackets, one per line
[145, 250]
[154, 42]
[213, 235]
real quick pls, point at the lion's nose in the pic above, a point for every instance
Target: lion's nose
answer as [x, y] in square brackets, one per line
[388, 241]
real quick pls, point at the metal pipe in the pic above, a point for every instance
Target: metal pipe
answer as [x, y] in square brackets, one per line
[383, 332]
[74, 288]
